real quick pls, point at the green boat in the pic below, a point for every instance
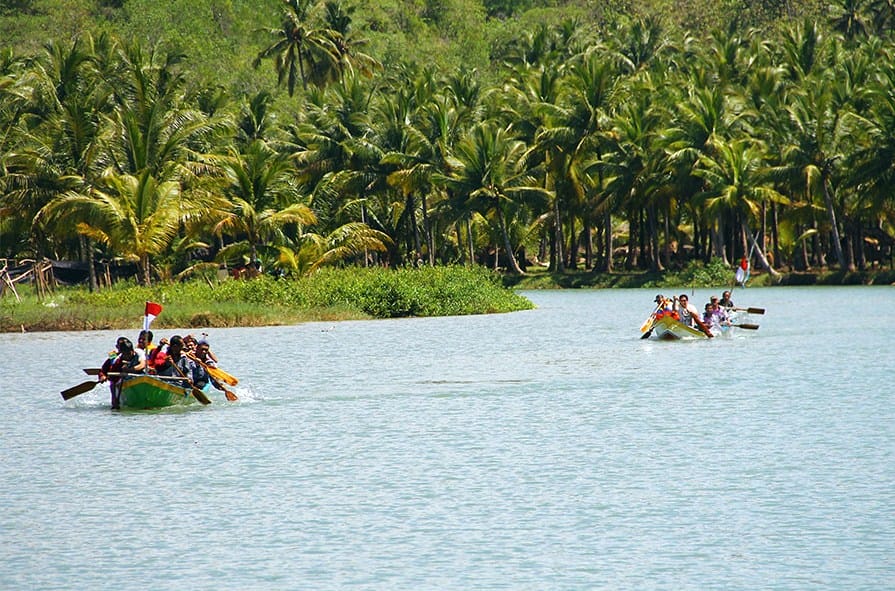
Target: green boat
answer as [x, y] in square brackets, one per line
[144, 391]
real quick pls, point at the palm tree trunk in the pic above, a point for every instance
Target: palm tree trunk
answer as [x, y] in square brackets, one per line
[469, 242]
[834, 229]
[759, 252]
[775, 234]
[430, 242]
[410, 207]
[653, 223]
[572, 262]
[607, 241]
[588, 245]
[363, 220]
[666, 249]
[558, 236]
[88, 256]
[144, 265]
[631, 261]
[511, 257]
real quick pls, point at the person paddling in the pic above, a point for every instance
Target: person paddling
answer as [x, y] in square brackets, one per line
[177, 364]
[128, 360]
[690, 315]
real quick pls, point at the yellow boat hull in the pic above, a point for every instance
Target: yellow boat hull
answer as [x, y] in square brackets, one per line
[669, 329]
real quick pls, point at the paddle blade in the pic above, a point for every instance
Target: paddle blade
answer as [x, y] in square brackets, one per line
[91, 371]
[200, 396]
[231, 396]
[647, 334]
[221, 375]
[79, 389]
[747, 326]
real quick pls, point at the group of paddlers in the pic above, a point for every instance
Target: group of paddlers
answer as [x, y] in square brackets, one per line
[182, 357]
[679, 308]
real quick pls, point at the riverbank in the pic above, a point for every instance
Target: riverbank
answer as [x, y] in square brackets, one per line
[695, 275]
[332, 294]
[354, 294]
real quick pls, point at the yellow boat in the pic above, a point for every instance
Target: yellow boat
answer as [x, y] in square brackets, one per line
[667, 328]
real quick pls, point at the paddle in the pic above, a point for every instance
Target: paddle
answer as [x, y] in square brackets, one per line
[231, 396]
[698, 321]
[197, 393]
[215, 372]
[216, 379]
[746, 326]
[79, 389]
[650, 324]
[750, 310]
[702, 325]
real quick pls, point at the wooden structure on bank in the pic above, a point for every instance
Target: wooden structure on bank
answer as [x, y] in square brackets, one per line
[39, 273]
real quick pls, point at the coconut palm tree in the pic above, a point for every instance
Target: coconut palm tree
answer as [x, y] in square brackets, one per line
[155, 125]
[348, 241]
[737, 182]
[261, 197]
[302, 49]
[490, 173]
[136, 216]
[65, 147]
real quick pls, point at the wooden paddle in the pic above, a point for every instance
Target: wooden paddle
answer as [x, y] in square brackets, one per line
[93, 371]
[746, 326]
[197, 393]
[215, 372]
[650, 324]
[702, 326]
[79, 389]
[231, 396]
[750, 310]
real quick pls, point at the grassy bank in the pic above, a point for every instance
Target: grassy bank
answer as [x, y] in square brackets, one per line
[333, 294]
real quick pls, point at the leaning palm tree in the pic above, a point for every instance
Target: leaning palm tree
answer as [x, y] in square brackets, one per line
[136, 216]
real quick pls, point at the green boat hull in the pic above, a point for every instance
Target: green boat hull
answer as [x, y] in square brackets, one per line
[144, 392]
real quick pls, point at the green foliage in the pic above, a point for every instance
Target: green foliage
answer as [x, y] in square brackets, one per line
[376, 292]
[697, 274]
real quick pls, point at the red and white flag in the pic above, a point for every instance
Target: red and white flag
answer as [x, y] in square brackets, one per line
[152, 310]
[742, 272]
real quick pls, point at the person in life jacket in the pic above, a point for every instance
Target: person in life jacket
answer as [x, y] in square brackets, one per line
[127, 360]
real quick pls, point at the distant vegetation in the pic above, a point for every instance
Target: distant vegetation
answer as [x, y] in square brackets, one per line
[299, 135]
[333, 294]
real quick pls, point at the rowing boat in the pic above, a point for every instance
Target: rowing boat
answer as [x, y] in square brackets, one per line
[667, 328]
[145, 391]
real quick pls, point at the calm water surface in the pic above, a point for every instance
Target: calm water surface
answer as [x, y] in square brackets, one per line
[547, 449]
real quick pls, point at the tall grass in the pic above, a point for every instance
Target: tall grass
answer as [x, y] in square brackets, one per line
[330, 294]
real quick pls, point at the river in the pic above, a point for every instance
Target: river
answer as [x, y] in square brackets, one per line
[545, 449]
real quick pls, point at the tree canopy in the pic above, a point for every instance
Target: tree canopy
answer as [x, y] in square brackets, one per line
[511, 136]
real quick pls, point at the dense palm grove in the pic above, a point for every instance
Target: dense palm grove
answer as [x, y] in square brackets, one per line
[620, 146]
